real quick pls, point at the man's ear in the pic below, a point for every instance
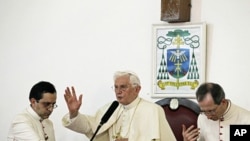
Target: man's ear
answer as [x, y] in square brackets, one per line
[223, 101]
[138, 88]
[33, 101]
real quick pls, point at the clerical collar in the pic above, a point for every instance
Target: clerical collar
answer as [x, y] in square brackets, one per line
[33, 113]
[228, 107]
[132, 104]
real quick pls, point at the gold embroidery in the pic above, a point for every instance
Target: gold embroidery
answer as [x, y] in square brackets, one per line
[117, 135]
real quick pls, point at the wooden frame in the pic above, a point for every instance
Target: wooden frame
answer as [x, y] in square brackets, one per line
[179, 58]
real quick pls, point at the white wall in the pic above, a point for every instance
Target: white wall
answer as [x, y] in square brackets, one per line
[228, 47]
[82, 43]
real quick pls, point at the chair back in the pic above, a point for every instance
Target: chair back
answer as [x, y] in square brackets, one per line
[180, 111]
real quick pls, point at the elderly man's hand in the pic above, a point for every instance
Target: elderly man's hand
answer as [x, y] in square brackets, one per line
[73, 103]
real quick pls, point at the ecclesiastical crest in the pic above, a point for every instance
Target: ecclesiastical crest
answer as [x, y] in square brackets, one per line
[178, 60]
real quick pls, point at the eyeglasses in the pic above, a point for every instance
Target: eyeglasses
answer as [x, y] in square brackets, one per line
[120, 88]
[48, 104]
[210, 112]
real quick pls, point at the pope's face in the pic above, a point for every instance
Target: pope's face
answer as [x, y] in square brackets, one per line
[125, 91]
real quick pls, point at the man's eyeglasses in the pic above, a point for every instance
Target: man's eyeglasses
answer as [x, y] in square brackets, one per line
[209, 112]
[48, 104]
[120, 88]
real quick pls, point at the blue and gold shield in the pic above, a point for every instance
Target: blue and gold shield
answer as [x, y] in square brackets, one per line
[178, 62]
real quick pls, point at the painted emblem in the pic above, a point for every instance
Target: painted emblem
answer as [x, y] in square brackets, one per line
[178, 64]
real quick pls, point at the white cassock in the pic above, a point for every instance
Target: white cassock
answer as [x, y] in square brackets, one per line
[220, 130]
[139, 121]
[28, 126]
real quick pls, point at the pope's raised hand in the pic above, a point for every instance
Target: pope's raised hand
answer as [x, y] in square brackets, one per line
[73, 103]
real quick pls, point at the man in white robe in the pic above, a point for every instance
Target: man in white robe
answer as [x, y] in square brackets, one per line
[33, 124]
[28, 126]
[135, 119]
[216, 117]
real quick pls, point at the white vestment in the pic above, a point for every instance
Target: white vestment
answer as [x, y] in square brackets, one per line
[27, 126]
[220, 130]
[144, 121]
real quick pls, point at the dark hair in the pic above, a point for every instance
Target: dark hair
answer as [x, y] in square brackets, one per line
[40, 88]
[214, 89]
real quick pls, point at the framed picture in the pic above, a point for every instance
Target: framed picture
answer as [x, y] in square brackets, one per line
[179, 59]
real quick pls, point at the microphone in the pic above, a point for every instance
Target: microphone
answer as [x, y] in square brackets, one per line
[109, 112]
[106, 117]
